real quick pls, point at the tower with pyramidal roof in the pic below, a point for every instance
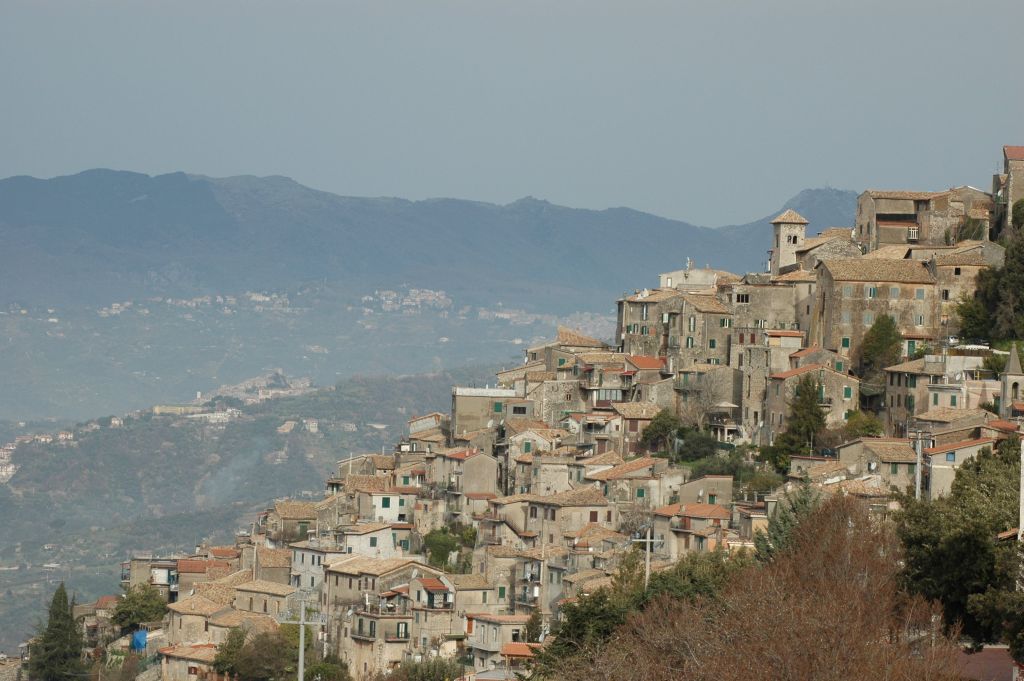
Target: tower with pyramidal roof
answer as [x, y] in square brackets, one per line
[1011, 385]
[790, 232]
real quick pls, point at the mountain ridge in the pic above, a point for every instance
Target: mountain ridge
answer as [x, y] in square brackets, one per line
[109, 234]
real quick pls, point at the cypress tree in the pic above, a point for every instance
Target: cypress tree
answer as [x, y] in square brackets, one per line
[56, 654]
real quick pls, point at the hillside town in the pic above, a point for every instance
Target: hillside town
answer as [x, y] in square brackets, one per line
[470, 537]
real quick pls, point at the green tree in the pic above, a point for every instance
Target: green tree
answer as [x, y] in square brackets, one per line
[792, 509]
[862, 424]
[696, 444]
[881, 347]
[1017, 214]
[659, 435]
[56, 655]
[951, 552]
[806, 420]
[331, 668]
[228, 652]
[975, 320]
[440, 543]
[534, 626]
[267, 657]
[141, 603]
[433, 669]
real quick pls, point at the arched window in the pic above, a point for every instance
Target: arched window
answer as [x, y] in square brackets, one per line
[1015, 392]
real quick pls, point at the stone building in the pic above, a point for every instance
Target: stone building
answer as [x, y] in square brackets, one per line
[839, 394]
[1008, 186]
[927, 218]
[789, 232]
[853, 293]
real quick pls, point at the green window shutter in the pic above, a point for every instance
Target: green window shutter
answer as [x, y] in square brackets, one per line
[405, 479]
[640, 492]
[935, 399]
[712, 498]
[385, 502]
[401, 501]
[561, 361]
[527, 446]
[839, 366]
[894, 468]
[501, 593]
[373, 542]
[952, 400]
[847, 392]
[497, 407]
[846, 342]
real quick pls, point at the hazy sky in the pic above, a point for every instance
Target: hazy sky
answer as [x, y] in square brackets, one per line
[713, 111]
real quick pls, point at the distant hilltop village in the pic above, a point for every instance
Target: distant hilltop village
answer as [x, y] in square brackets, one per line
[528, 494]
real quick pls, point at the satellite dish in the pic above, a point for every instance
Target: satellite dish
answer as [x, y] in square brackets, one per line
[415, 573]
[959, 376]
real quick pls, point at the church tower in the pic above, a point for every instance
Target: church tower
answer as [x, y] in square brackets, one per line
[1011, 384]
[790, 232]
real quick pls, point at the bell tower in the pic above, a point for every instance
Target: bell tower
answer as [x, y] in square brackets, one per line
[1011, 384]
[790, 233]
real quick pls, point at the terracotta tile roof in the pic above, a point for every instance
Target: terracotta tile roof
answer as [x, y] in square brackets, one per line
[949, 414]
[582, 496]
[796, 276]
[196, 605]
[238, 577]
[572, 338]
[790, 217]
[624, 469]
[512, 499]
[365, 483]
[202, 652]
[433, 584]
[295, 510]
[646, 362]
[658, 295]
[889, 252]
[498, 619]
[478, 496]
[224, 552]
[106, 602]
[469, 582]
[805, 351]
[366, 528]
[1003, 425]
[273, 558]
[914, 366]
[703, 303]
[606, 459]
[890, 450]
[961, 259]
[383, 462]
[879, 270]
[714, 511]
[218, 593]
[667, 511]
[959, 445]
[1013, 153]
[199, 565]
[784, 333]
[514, 426]
[636, 410]
[601, 357]
[518, 649]
[257, 622]
[461, 455]
[262, 586]
[374, 566]
[807, 368]
[900, 194]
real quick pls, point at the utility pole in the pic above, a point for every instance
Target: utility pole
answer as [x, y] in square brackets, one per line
[285, 618]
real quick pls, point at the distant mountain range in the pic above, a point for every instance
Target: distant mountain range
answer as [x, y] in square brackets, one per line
[104, 235]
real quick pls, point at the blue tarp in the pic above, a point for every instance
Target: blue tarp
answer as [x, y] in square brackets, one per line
[139, 640]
